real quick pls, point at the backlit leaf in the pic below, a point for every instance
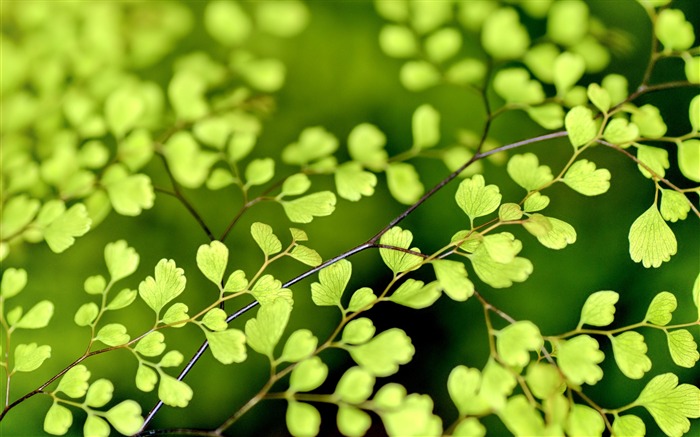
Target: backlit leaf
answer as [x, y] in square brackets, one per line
[630, 352]
[503, 36]
[382, 355]
[169, 283]
[568, 69]
[443, 44]
[267, 289]
[535, 202]
[653, 157]
[649, 121]
[61, 232]
[265, 330]
[227, 346]
[599, 96]
[123, 108]
[151, 345]
[265, 238]
[476, 198]
[173, 392]
[567, 22]
[670, 404]
[86, 314]
[226, 22]
[426, 127]
[580, 125]
[584, 421]
[543, 379]
[521, 418]
[463, 386]
[353, 422]
[674, 205]
[13, 281]
[499, 275]
[176, 315]
[619, 131]
[412, 418]
[125, 417]
[113, 334]
[469, 427]
[352, 182]
[560, 235]
[355, 385]
[96, 426]
[189, 164]
[515, 341]
[99, 393]
[452, 276]
[583, 177]
[300, 344]
[259, 171]
[303, 420]
[313, 143]
[308, 375]
[358, 331]
[651, 240]
[121, 260]
[599, 309]
[672, 29]
[212, 259]
[661, 309]
[283, 19]
[684, 350]
[332, 282]
[414, 294]
[306, 255]
[37, 317]
[129, 193]
[146, 378]
[74, 383]
[578, 358]
[295, 185]
[549, 116]
[689, 159]
[526, 171]
[236, 282]
[29, 357]
[514, 85]
[628, 425]
[497, 384]
[361, 298]
[398, 261]
[58, 419]
[366, 145]
[404, 182]
[419, 75]
[304, 209]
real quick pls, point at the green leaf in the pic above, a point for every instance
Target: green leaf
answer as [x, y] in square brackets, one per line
[616, 86]
[146, 378]
[303, 420]
[263, 74]
[584, 178]
[189, 164]
[74, 382]
[300, 344]
[540, 60]
[661, 309]
[670, 404]
[599, 309]
[526, 171]
[559, 235]
[226, 22]
[426, 127]
[476, 198]
[61, 232]
[674, 205]
[382, 355]
[308, 375]
[567, 22]
[113, 334]
[366, 146]
[694, 111]
[397, 41]
[358, 331]
[151, 345]
[240, 145]
[99, 393]
[171, 359]
[215, 319]
[535, 201]
[497, 384]
[332, 282]
[655, 158]
[502, 36]
[630, 352]
[538, 225]
[95, 284]
[267, 289]
[169, 283]
[628, 425]
[13, 282]
[521, 418]
[568, 69]
[549, 116]
[295, 185]
[599, 96]
[466, 72]
[620, 131]
[125, 417]
[684, 350]
[129, 194]
[298, 235]
[419, 75]
[463, 385]
[404, 183]
[443, 44]
[692, 70]
[355, 386]
[265, 238]
[469, 427]
[390, 396]
[29, 357]
[58, 419]
[227, 346]
[352, 182]
[544, 380]
[173, 392]
[17, 213]
[414, 294]
[452, 276]
[581, 126]
[353, 422]
[672, 29]
[578, 358]
[284, 19]
[265, 331]
[361, 298]
[37, 317]
[213, 131]
[696, 294]
[212, 259]
[136, 150]
[584, 421]
[515, 341]
[86, 314]
[304, 209]
[649, 121]
[499, 275]
[96, 426]
[121, 260]
[651, 240]
[306, 255]
[502, 247]
[515, 86]
[689, 159]
[510, 212]
[259, 171]
[176, 315]
[396, 260]
[313, 143]
[123, 109]
[236, 282]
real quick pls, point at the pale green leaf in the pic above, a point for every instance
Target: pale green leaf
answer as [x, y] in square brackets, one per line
[173, 392]
[514, 85]
[171, 359]
[694, 110]
[29, 357]
[538, 225]
[584, 178]
[300, 344]
[443, 44]
[212, 259]
[96, 426]
[503, 36]
[581, 126]
[599, 96]
[559, 235]
[567, 22]
[661, 309]
[304, 209]
[452, 276]
[17, 213]
[37, 317]
[298, 234]
[689, 159]
[265, 238]
[616, 86]
[414, 294]
[236, 282]
[295, 185]
[332, 282]
[146, 378]
[355, 386]
[227, 346]
[396, 260]
[263, 74]
[476, 198]
[13, 281]
[99, 393]
[696, 294]
[382, 355]
[469, 427]
[352, 182]
[584, 421]
[220, 178]
[549, 115]
[86, 314]
[630, 352]
[426, 127]
[684, 350]
[227, 22]
[169, 283]
[568, 69]
[651, 240]
[125, 417]
[213, 131]
[620, 131]
[526, 171]
[308, 375]
[578, 358]
[95, 284]
[267, 289]
[176, 315]
[314, 143]
[123, 109]
[466, 72]
[303, 420]
[390, 396]
[540, 60]
[264, 331]
[240, 145]
[670, 404]
[306, 255]
[189, 164]
[404, 182]
[419, 75]
[353, 422]
[674, 205]
[599, 309]
[543, 379]
[654, 158]
[628, 426]
[509, 212]
[521, 418]
[259, 171]
[58, 419]
[497, 384]
[362, 298]
[515, 341]
[649, 121]
[366, 146]
[672, 29]
[397, 41]
[113, 334]
[283, 19]
[121, 260]
[151, 345]
[136, 150]
[692, 70]
[502, 247]
[74, 383]
[535, 202]
[215, 319]
[129, 194]
[499, 275]
[463, 385]
[61, 232]
[358, 331]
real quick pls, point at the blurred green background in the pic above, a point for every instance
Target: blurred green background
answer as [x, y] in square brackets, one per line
[338, 78]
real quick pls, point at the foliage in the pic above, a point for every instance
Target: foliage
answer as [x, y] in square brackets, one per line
[104, 115]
